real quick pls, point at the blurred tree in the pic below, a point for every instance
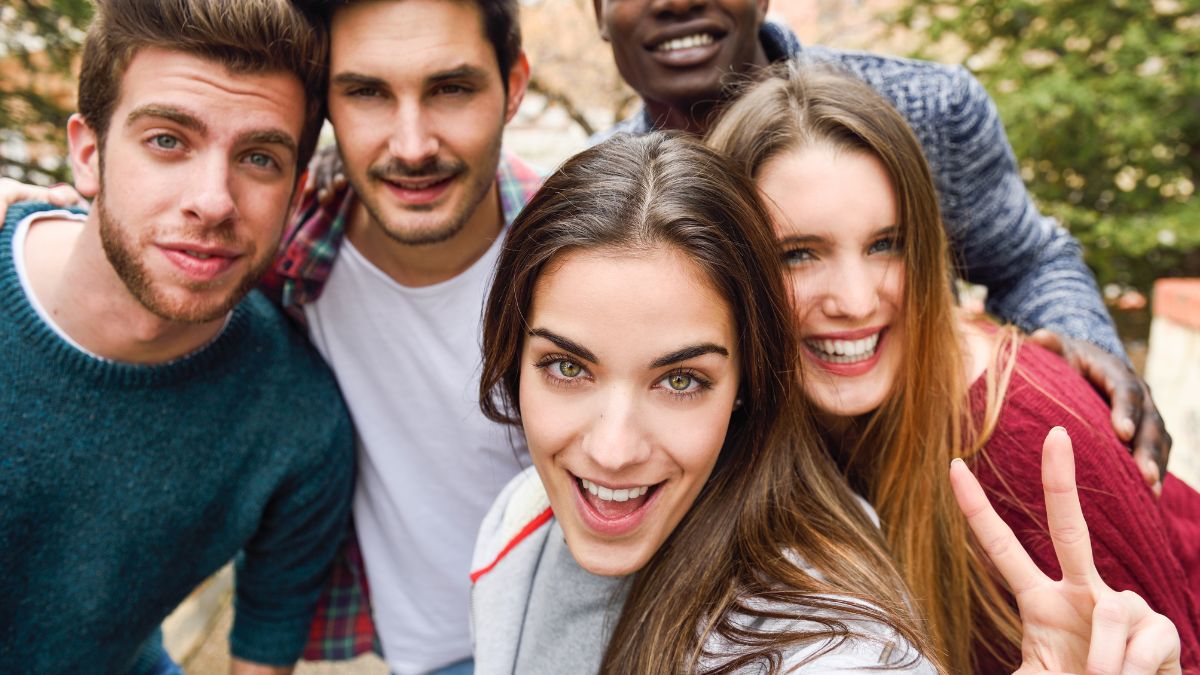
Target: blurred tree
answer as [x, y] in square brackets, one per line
[1102, 104]
[572, 67]
[39, 40]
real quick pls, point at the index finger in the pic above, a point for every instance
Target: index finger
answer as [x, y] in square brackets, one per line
[996, 537]
[1064, 515]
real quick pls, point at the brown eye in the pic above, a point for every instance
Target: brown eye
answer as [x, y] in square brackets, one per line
[569, 369]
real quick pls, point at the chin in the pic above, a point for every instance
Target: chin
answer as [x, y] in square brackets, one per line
[607, 560]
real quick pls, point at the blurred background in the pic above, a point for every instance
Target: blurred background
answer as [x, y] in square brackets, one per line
[1101, 100]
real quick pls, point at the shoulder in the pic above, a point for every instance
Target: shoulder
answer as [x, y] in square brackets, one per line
[1044, 387]
[520, 511]
[1043, 392]
[875, 647]
[911, 84]
[869, 647]
[286, 382]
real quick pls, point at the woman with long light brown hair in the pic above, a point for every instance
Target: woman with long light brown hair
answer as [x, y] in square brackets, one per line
[681, 515]
[903, 382]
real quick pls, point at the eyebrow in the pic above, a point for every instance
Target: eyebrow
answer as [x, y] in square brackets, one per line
[565, 344]
[268, 137]
[689, 352]
[468, 72]
[179, 116]
[890, 230]
[358, 78]
[189, 121]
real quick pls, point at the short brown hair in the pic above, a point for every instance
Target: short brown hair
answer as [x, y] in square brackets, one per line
[246, 36]
[501, 25]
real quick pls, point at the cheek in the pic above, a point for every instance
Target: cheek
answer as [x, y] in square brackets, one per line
[548, 418]
[804, 296]
[693, 439]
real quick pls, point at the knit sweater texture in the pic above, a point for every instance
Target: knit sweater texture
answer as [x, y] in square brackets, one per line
[122, 487]
[1140, 543]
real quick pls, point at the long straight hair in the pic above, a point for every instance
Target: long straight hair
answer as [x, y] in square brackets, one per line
[774, 491]
[898, 456]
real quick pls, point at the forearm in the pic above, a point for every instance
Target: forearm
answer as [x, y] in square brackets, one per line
[1054, 290]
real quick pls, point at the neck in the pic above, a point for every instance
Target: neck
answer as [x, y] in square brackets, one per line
[427, 264]
[692, 119]
[77, 286]
[695, 117]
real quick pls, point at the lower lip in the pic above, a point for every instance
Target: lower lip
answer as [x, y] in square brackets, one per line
[421, 197]
[610, 527]
[199, 269]
[686, 58]
[849, 369]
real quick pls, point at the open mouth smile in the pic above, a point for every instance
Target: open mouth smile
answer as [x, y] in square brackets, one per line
[844, 351]
[613, 511]
[686, 42]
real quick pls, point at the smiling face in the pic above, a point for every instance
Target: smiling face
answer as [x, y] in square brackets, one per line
[674, 53]
[418, 105]
[835, 218]
[193, 181]
[628, 379]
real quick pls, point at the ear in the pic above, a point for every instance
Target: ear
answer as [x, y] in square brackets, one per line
[762, 10]
[518, 81]
[85, 155]
[598, 6]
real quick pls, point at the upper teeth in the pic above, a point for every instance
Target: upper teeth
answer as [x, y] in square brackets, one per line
[197, 254]
[417, 186]
[844, 351]
[611, 495]
[686, 42]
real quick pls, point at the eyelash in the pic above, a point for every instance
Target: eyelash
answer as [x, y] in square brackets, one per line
[544, 365]
[702, 383]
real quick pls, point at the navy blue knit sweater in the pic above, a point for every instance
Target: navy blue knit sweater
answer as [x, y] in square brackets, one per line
[122, 487]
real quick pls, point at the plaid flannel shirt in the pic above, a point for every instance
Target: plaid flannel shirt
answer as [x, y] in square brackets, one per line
[342, 627]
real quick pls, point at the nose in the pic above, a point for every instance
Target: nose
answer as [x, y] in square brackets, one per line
[676, 6]
[852, 292]
[209, 198]
[616, 439]
[413, 140]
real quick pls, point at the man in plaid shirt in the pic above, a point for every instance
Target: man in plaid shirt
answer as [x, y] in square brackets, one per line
[388, 276]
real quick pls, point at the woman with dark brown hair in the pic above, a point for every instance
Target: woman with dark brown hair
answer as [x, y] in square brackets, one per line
[903, 382]
[681, 515]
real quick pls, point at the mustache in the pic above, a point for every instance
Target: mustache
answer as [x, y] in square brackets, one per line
[434, 167]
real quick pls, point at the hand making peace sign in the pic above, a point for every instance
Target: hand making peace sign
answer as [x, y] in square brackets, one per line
[1077, 624]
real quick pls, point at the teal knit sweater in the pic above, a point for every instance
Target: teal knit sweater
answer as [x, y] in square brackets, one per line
[122, 487]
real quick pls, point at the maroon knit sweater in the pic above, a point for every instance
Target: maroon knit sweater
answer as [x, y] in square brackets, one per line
[1147, 545]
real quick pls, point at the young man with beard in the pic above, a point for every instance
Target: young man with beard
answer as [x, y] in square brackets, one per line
[680, 55]
[389, 277]
[158, 421]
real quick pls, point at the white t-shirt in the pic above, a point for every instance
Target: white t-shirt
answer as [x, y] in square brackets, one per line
[430, 464]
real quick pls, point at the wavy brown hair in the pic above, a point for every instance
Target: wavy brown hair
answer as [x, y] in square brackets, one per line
[774, 490]
[898, 455]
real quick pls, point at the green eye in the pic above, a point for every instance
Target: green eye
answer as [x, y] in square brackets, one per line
[680, 381]
[569, 369]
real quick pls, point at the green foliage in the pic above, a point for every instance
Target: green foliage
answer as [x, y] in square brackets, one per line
[1101, 101]
[39, 40]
